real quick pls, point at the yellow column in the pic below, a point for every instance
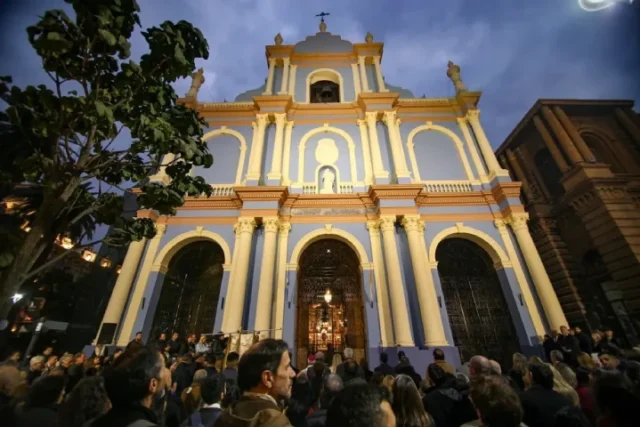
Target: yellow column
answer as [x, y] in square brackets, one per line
[582, 146]
[376, 156]
[399, 159]
[376, 64]
[120, 293]
[265, 287]
[399, 306]
[272, 69]
[550, 144]
[281, 280]
[363, 74]
[232, 320]
[285, 76]
[292, 81]
[482, 173]
[287, 153]
[366, 154]
[126, 331]
[628, 124]
[429, 310]
[473, 116]
[384, 314]
[356, 79]
[276, 161]
[567, 145]
[520, 276]
[547, 294]
[255, 159]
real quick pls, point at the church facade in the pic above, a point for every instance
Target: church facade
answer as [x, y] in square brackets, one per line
[345, 213]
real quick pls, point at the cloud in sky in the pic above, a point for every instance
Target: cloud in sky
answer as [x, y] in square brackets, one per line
[513, 51]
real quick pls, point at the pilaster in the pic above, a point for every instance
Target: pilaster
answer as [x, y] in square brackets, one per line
[363, 74]
[287, 153]
[473, 116]
[285, 77]
[482, 173]
[278, 316]
[550, 144]
[378, 169]
[356, 79]
[366, 154]
[272, 69]
[275, 175]
[567, 145]
[399, 159]
[384, 313]
[292, 81]
[582, 146]
[380, 79]
[265, 287]
[255, 158]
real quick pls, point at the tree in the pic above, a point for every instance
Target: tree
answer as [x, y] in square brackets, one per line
[60, 141]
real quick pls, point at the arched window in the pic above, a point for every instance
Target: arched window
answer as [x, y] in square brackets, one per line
[551, 174]
[603, 152]
[324, 91]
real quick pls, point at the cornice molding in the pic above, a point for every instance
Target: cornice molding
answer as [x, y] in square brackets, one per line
[394, 192]
[262, 194]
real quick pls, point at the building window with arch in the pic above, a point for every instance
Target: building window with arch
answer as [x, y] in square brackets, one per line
[324, 91]
[550, 172]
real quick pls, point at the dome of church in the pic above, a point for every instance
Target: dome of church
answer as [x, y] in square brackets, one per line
[323, 42]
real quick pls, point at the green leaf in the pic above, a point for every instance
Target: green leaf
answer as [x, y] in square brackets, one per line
[101, 109]
[108, 37]
[179, 55]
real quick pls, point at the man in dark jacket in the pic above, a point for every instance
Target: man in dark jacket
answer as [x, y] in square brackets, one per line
[332, 386]
[584, 341]
[184, 373]
[212, 390]
[568, 344]
[265, 377]
[541, 403]
[384, 367]
[174, 345]
[348, 356]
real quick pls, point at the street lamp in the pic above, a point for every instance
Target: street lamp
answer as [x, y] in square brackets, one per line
[327, 296]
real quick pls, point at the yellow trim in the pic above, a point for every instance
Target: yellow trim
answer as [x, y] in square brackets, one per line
[180, 241]
[243, 147]
[326, 128]
[483, 240]
[329, 232]
[324, 74]
[458, 143]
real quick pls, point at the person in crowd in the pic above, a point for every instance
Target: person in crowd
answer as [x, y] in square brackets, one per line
[563, 387]
[479, 365]
[570, 416]
[209, 364]
[174, 345]
[632, 373]
[212, 390]
[318, 373]
[265, 378]
[610, 339]
[438, 357]
[407, 405]
[405, 368]
[616, 403]
[584, 341]
[36, 366]
[351, 373]
[75, 372]
[232, 394]
[87, 402]
[100, 350]
[10, 382]
[41, 403]
[550, 343]
[568, 344]
[384, 367]
[335, 362]
[311, 360]
[331, 387]
[230, 372]
[541, 402]
[586, 361]
[184, 373]
[296, 370]
[609, 361]
[162, 341]
[203, 347]
[364, 367]
[189, 346]
[376, 379]
[496, 404]
[496, 369]
[191, 396]
[387, 383]
[48, 351]
[360, 405]
[444, 402]
[348, 356]
[136, 385]
[556, 357]
[567, 374]
[585, 395]
[518, 375]
[14, 357]
[300, 403]
[320, 357]
[137, 341]
[52, 362]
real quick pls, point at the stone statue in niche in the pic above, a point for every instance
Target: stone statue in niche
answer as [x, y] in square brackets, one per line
[328, 181]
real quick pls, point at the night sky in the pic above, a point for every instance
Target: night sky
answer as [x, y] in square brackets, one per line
[515, 51]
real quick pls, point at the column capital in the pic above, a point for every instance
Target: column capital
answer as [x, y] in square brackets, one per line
[284, 228]
[160, 230]
[280, 118]
[501, 225]
[387, 223]
[361, 122]
[362, 58]
[262, 118]
[272, 61]
[371, 116]
[290, 124]
[376, 59]
[373, 226]
[271, 224]
[286, 60]
[244, 225]
[473, 115]
[389, 117]
[518, 221]
[413, 223]
[461, 120]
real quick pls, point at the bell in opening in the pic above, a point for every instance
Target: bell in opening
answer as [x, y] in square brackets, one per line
[325, 91]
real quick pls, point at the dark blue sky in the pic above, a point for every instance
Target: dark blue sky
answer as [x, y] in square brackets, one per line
[515, 51]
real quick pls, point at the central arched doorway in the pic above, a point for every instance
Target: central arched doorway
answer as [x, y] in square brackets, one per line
[329, 324]
[190, 291]
[478, 312]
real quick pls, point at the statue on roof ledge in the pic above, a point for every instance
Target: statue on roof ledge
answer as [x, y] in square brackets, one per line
[369, 38]
[197, 79]
[453, 72]
[278, 39]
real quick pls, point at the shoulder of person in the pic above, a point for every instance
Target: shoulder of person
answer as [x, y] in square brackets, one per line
[142, 423]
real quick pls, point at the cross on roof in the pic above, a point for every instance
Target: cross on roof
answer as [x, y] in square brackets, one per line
[322, 15]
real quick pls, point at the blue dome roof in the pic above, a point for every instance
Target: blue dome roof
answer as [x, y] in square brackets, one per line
[323, 43]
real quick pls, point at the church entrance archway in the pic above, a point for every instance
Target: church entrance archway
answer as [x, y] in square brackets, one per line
[190, 291]
[330, 305]
[478, 312]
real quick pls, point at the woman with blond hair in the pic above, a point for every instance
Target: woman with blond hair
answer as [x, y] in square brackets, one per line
[562, 386]
[335, 362]
[585, 361]
[387, 382]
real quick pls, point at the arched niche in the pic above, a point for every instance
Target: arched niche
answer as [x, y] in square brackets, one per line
[223, 152]
[327, 75]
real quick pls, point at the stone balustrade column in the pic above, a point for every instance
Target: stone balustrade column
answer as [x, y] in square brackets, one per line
[565, 142]
[541, 280]
[255, 158]
[399, 307]
[473, 116]
[376, 155]
[363, 74]
[285, 76]
[234, 307]
[399, 159]
[286, 158]
[281, 280]
[582, 146]
[462, 123]
[276, 160]
[379, 78]
[427, 297]
[366, 153]
[272, 69]
[265, 288]
[550, 144]
[120, 293]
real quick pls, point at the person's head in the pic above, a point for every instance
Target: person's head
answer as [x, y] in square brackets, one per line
[496, 403]
[609, 361]
[51, 361]
[10, 380]
[48, 351]
[350, 370]
[232, 360]
[163, 336]
[376, 379]
[320, 356]
[438, 354]
[554, 333]
[407, 404]
[540, 374]
[266, 368]
[45, 392]
[387, 383]
[608, 333]
[556, 356]
[437, 376]
[348, 353]
[66, 360]
[567, 374]
[577, 330]
[586, 361]
[336, 360]
[519, 361]
[384, 357]
[175, 336]
[192, 338]
[138, 337]
[199, 376]
[360, 405]
[137, 377]
[479, 365]
[564, 330]
[319, 369]
[36, 363]
[212, 389]
[311, 359]
[210, 360]
[596, 336]
[14, 356]
[496, 369]
[203, 339]
[332, 385]
[79, 359]
[615, 399]
[87, 401]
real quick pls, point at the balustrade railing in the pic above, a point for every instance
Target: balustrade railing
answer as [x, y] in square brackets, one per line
[448, 187]
[222, 189]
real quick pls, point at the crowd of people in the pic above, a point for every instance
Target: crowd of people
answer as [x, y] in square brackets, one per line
[178, 383]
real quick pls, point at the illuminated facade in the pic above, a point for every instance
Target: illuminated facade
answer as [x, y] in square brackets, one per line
[329, 179]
